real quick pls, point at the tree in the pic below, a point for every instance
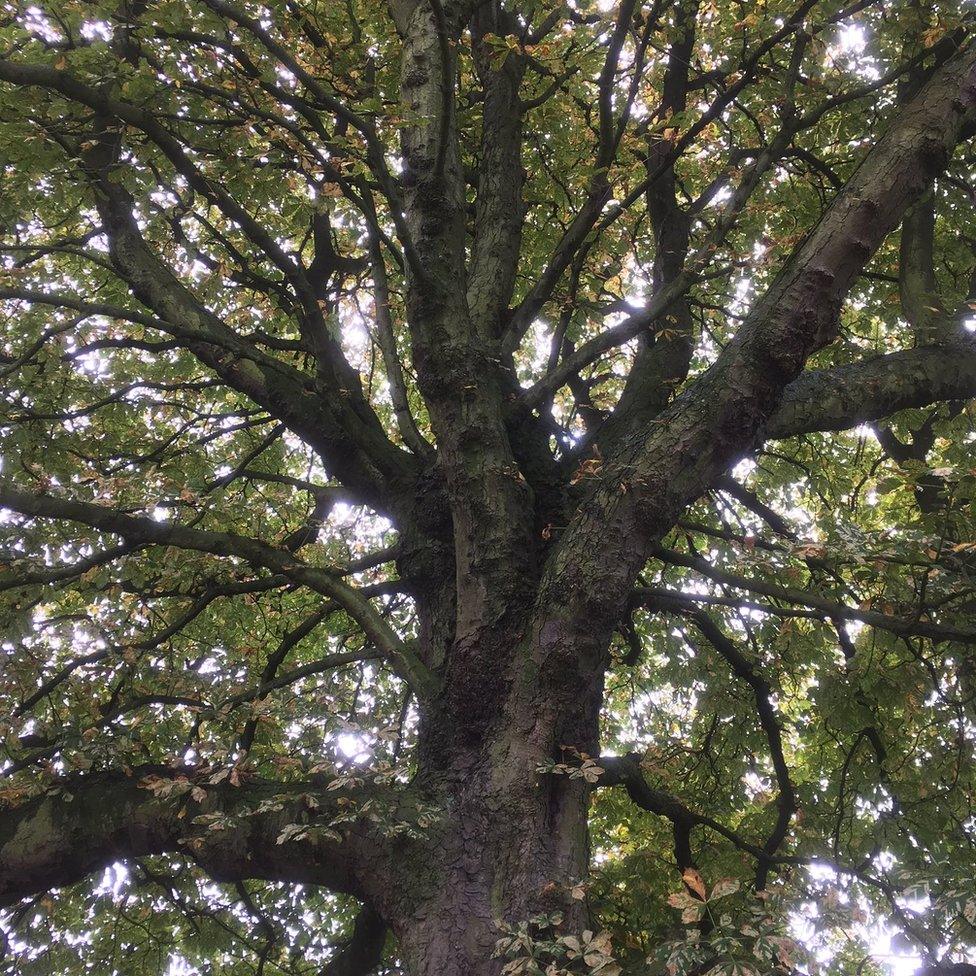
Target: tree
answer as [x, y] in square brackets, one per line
[479, 477]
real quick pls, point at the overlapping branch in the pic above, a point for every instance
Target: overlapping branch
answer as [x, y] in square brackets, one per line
[144, 531]
[337, 421]
[641, 490]
[788, 599]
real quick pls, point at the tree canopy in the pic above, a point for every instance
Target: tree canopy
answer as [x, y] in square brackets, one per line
[487, 486]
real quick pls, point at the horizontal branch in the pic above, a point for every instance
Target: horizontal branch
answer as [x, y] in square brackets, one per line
[328, 663]
[626, 771]
[10, 579]
[820, 607]
[145, 531]
[844, 396]
[85, 823]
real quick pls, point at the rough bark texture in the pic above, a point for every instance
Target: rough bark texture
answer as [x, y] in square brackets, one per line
[515, 622]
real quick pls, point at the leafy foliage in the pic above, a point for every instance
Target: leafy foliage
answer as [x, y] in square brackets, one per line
[206, 321]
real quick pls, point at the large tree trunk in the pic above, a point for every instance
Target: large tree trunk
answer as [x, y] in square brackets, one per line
[506, 852]
[517, 593]
[512, 840]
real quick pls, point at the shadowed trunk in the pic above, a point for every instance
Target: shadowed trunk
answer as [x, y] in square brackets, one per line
[512, 841]
[520, 553]
[510, 850]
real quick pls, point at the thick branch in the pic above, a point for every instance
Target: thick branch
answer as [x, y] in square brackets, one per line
[663, 360]
[88, 822]
[647, 484]
[456, 368]
[499, 207]
[361, 953]
[921, 302]
[844, 396]
[352, 436]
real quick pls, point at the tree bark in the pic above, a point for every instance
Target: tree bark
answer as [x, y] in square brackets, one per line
[515, 626]
[512, 843]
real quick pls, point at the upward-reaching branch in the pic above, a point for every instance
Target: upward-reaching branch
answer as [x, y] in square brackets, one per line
[921, 302]
[663, 359]
[499, 206]
[452, 351]
[577, 234]
[329, 411]
[660, 470]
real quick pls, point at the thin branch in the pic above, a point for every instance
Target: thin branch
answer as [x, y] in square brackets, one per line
[144, 531]
[827, 609]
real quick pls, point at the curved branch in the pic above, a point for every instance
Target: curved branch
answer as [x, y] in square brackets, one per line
[626, 771]
[769, 720]
[86, 822]
[825, 609]
[144, 531]
[845, 396]
[362, 952]
[352, 432]
[645, 485]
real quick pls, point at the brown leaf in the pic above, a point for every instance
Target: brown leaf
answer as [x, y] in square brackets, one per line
[694, 880]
